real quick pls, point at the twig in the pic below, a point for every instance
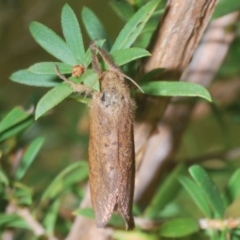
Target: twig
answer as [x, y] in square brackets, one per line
[35, 226]
[165, 140]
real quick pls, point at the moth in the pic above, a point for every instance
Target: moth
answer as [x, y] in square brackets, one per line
[111, 145]
[111, 142]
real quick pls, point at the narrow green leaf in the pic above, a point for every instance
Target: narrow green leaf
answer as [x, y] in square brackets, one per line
[52, 98]
[94, 27]
[28, 157]
[165, 193]
[13, 221]
[3, 178]
[232, 190]
[123, 9]
[72, 33]
[28, 78]
[15, 116]
[196, 194]
[88, 56]
[176, 89]
[179, 227]
[134, 26]
[144, 39]
[117, 221]
[17, 128]
[49, 68]
[52, 43]
[123, 56]
[50, 218]
[209, 189]
[86, 212]
[22, 194]
[225, 7]
[90, 79]
[56, 186]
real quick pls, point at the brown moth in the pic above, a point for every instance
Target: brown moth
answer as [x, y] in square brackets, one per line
[111, 145]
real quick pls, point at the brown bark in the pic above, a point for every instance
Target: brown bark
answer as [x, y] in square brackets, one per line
[163, 144]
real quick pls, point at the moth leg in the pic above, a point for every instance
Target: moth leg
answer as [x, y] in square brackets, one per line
[76, 87]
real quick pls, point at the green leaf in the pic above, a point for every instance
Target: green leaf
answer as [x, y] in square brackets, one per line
[232, 190]
[144, 39]
[176, 89]
[123, 56]
[52, 98]
[52, 43]
[12, 221]
[90, 79]
[123, 9]
[88, 56]
[116, 221]
[28, 157]
[209, 189]
[15, 116]
[50, 218]
[72, 33]
[28, 78]
[225, 7]
[134, 26]
[16, 129]
[57, 185]
[165, 193]
[22, 194]
[86, 212]
[94, 27]
[3, 178]
[49, 68]
[179, 227]
[196, 194]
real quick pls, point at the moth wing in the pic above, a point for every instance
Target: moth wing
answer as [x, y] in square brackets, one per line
[127, 163]
[104, 169]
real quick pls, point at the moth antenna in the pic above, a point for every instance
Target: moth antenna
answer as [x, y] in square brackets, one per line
[133, 82]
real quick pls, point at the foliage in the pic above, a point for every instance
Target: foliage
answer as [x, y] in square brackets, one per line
[197, 186]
